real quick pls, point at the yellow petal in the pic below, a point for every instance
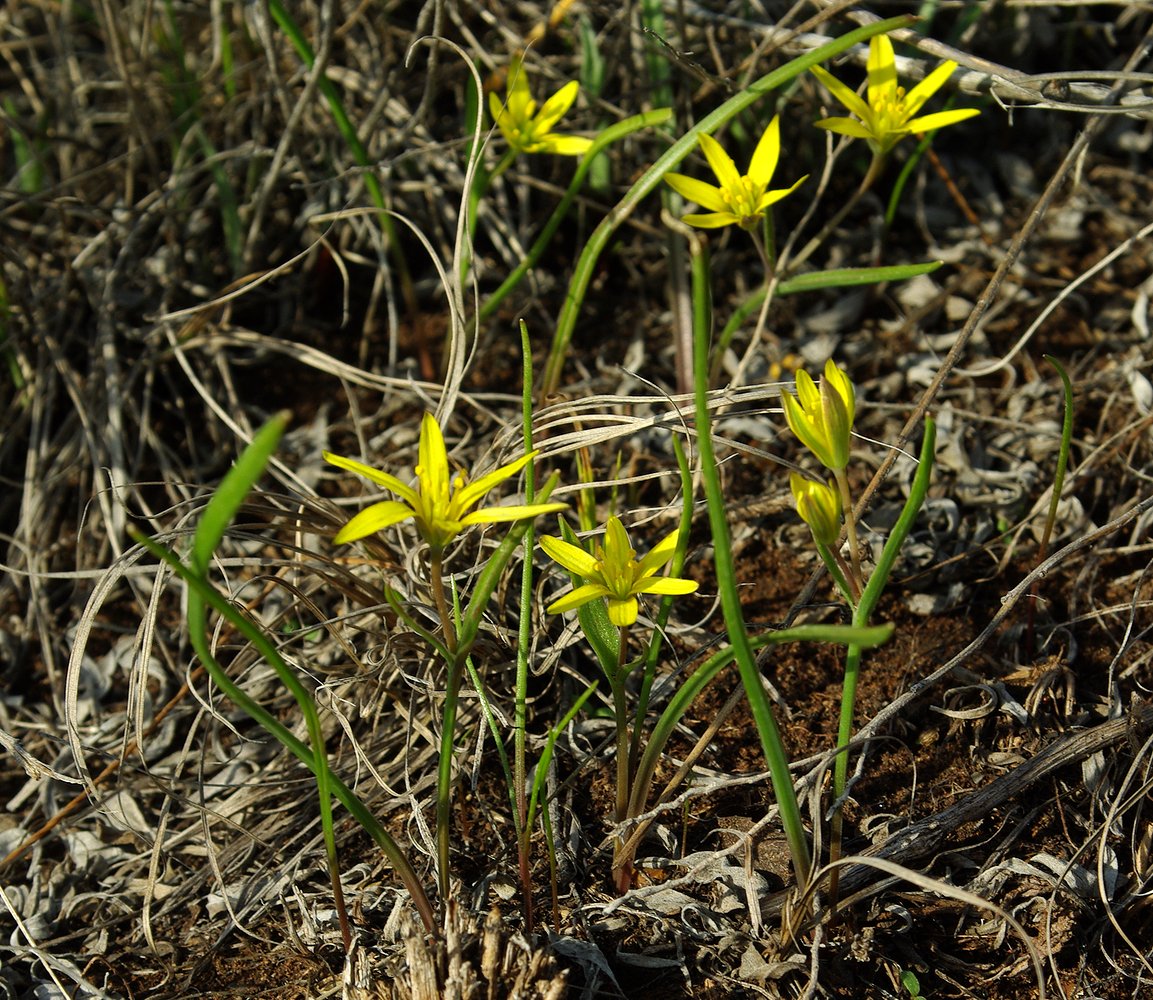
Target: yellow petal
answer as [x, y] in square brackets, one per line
[927, 123]
[472, 492]
[772, 197]
[562, 145]
[917, 97]
[575, 598]
[391, 483]
[840, 382]
[659, 554]
[520, 102]
[721, 163]
[499, 515]
[669, 586]
[433, 468]
[691, 189]
[846, 126]
[713, 220]
[847, 97]
[882, 70]
[571, 557]
[555, 107]
[623, 612]
[372, 519]
[764, 162]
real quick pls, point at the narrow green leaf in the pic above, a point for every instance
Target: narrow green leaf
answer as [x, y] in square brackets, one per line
[237, 484]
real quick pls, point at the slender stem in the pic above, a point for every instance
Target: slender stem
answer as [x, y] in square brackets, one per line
[524, 642]
[448, 724]
[624, 770]
[622, 871]
[436, 572]
[814, 244]
[856, 578]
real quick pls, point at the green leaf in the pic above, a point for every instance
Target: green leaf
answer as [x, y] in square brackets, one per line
[233, 489]
[845, 277]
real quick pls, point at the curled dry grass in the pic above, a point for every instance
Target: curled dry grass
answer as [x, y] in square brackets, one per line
[189, 244]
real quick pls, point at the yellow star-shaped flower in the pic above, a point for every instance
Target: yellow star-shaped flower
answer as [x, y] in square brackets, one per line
[889, 113]
[528, 130]
[440, 502]
[737, 200]
[823, 419]
[614, 573]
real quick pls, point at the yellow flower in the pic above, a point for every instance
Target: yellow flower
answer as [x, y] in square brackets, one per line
[823, 419]
[819, 505]
[528, 130]
[614, 573]
[888, 115]
[440, 502]
[740, 200]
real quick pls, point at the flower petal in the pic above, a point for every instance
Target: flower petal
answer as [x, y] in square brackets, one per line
[669, 586]
[845, 126]
[390, 483]
[926, 123]
[713, 220]
[571, 557]
[721, 163]
[706, 195]
[623, 613]
[807, 393]
[917, 97]
[808, 432]
[659, 554]
[882, 71]
[372, 519]
[772, 197]
[840, 383]
[764, 162]
[519, 99]
[471, 493]
[847, 97]
[562, 145]
[575, 598]
[498, 515]
[433, 459]
[555, 107]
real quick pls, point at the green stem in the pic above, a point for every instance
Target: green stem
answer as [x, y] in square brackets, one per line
[524, 641]
[771, 742]
[622, 873]
[861, 616]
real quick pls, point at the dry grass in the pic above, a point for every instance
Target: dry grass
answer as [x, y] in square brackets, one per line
[190, 245]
